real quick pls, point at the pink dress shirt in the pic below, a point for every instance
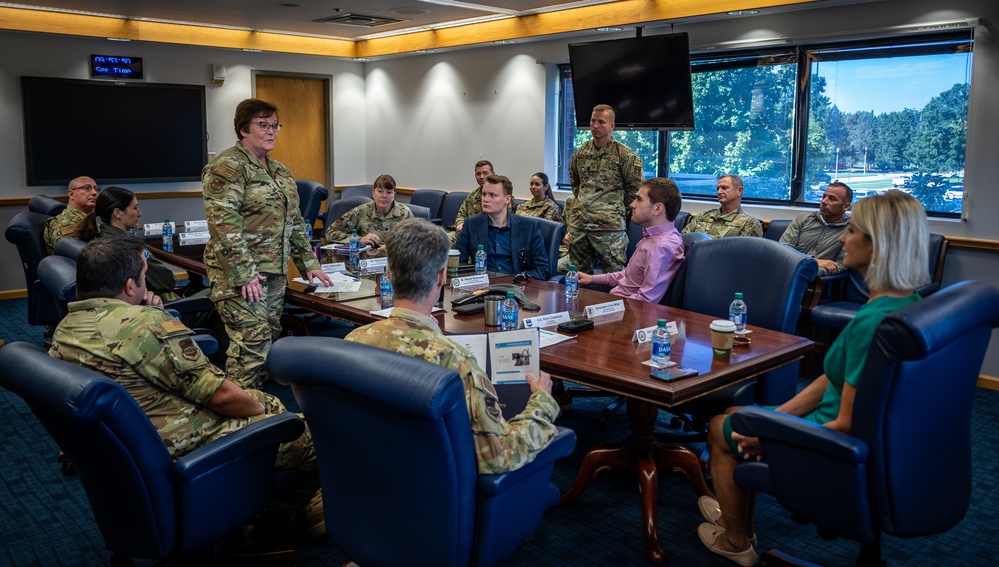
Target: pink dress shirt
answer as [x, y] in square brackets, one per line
[656, 259]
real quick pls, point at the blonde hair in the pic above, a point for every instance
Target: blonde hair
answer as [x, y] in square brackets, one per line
[895, 222]
[606, 108]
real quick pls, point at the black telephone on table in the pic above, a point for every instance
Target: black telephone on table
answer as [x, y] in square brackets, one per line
[478, 296]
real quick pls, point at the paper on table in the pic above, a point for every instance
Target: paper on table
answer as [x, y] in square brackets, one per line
[388, 311]
[343, 249]
[340, 283]
[549, 338]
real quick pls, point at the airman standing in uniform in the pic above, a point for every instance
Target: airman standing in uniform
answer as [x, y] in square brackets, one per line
[605, 176]
[255, 227]
[417, 265]
[82, 199]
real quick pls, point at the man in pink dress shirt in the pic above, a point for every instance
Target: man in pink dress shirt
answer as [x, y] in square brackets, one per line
[658, 255]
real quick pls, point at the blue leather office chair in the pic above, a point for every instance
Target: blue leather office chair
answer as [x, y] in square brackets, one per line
[432, 199]
[853, 293]
[772, 278]
[46, 205]
[674, 294]
[396, 457]
[552, 232]
[634, 236]
[882, 477]
[145, 504]
[340, 207]
[681, 220]
[776, 228]
[311, 195]
[419, 211]
[356, 191]
[25, 231]
[449, 209]
[69, 247]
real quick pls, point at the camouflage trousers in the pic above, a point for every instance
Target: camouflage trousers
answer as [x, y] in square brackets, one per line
[609, 247]
[252, 327]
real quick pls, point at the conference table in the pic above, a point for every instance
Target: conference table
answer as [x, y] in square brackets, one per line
[604, 357]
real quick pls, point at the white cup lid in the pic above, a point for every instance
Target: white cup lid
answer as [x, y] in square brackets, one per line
[454, 252]
[723, 326]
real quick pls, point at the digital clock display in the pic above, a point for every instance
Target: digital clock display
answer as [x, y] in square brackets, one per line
[115, 67]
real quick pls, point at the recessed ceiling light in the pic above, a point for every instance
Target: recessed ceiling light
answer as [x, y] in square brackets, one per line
[610, 29]
[118, 39]
[409, 11]
[743, 12]
[426, 51]
[252, 50]
[504, 41]
[361, 59]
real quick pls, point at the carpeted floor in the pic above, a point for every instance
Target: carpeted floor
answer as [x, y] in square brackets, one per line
[45, 518]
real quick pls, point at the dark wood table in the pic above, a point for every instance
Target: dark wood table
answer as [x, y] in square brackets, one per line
[606, 358]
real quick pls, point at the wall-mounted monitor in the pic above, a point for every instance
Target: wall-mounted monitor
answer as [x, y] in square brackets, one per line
[645, 79]
[114, 132]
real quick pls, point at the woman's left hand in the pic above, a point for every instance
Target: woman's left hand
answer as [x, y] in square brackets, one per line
[320, 275]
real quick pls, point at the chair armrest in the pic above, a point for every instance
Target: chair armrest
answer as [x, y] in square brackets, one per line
[195, 304]
[560, 279]
[561, 446]
[928, 289]
[274, 430]
[789, 430]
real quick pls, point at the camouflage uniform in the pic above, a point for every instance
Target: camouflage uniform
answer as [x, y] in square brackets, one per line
[159, 276]
[500, 446]
[151, 354]
[366, 219]
[604, 182]
[255, 227]
[61, 226]
[546, 209]
[471, 206]
[563, 249]
[717, 225]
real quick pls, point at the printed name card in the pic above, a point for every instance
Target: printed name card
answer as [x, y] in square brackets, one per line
[373, 265]
[335, 267]
[480, 280]
[546, 320]
[645, 335]
[604, 308]
[156, 228]
[191, 238]
[195, 226]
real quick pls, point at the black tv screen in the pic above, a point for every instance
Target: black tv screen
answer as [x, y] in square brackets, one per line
[113, 132]
[645, 79]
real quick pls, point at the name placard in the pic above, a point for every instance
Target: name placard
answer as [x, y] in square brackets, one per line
[191, 238]
[195, 225]
[546, 320]
[645, 335]
[373, 265]
[156, 228]
[604, 308]
[335, 267]
[480, 280]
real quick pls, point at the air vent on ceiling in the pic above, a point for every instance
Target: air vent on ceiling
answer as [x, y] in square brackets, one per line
[359, 20]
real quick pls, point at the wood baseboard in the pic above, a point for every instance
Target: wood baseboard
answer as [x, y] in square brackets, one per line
[988, 382]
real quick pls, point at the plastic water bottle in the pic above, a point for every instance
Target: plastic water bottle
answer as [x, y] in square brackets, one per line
[308, 230]
[571, 283]
[509, 311]
[385, 286]
[167, 236]
[134, 231]
[660, 344]
[480, 260]
[355, 250]
[737, 313]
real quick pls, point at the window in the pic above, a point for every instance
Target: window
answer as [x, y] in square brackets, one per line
[875, 115]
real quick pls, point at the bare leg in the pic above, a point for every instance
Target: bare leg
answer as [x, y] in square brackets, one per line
[736, 503]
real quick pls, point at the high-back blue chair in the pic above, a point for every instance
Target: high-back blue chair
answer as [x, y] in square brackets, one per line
[356, 191]
[46, 205]
[681, 220]
[146, 504]
[449, 209]
[396, 456]
[776, 228]
[419, 211]
[69, 247]
[674, 294]
[25, 231]
[338, 208]
[552, 232]
[432, 199]
[311, 195]
[918, 383]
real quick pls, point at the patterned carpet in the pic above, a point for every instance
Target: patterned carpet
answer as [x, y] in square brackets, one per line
[45, 518]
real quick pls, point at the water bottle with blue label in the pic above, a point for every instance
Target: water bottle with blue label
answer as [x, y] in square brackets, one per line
[737, 313]
[660, 344]
[480, 260]
[167, 236]
[509, 311]
[355, 250]
[385, 287]
[571, 283]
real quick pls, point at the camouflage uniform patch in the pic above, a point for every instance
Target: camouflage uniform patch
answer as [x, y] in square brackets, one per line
[61, 226]
[500, 446]
[717, 225]
[546, 209]
[152, 356]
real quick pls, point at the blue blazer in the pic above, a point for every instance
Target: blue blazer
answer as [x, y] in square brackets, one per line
[524, 235]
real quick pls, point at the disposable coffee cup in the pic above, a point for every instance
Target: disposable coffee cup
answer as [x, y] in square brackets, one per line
[722, 336]
[453, 256]
[493, 313]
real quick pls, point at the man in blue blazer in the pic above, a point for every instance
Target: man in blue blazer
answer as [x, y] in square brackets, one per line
[513, 244]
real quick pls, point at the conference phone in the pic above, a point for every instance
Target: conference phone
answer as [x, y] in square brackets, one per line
[475, 302]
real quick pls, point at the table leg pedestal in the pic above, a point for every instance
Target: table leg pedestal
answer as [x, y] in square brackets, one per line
[642, 456]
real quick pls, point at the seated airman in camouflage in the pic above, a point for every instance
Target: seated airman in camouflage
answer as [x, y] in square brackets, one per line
[82, 199]
[373, 220]
[120, 329]
[728, 219]
[417, 265]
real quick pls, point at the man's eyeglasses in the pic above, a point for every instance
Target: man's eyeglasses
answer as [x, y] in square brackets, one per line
[267, 126]
[87, 188]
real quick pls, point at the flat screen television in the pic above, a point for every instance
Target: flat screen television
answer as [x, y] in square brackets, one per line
[645, 79]
[111, 131]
